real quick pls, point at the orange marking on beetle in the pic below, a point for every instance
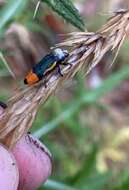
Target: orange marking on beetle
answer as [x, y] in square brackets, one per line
[31, 78]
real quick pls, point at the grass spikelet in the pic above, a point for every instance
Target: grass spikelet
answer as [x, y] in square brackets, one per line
[86, 49]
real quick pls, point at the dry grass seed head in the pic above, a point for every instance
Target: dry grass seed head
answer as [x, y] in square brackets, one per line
[86, 49]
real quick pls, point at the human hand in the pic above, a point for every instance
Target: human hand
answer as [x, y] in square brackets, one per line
[26, 167]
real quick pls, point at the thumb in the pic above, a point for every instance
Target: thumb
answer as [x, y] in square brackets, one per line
[9, 176]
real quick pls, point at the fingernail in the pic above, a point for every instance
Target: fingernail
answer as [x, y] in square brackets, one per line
[39, 145]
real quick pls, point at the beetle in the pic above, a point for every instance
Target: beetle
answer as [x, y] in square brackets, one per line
[46, 66]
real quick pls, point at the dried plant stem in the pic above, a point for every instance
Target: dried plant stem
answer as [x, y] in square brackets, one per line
[86, 49]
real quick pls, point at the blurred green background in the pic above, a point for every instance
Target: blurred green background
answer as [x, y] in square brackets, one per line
[86, 124]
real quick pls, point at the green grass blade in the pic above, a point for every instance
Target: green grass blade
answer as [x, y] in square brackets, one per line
[66, 9]
[6, 65]
[11, 8]
[51, 184]
[54, 124]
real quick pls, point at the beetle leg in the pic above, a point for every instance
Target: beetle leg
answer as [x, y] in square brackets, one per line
[70, 65]
[59, 71]
[45, 82]
[65, 64]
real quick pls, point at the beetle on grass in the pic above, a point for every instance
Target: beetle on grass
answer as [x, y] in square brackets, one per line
[46, 66]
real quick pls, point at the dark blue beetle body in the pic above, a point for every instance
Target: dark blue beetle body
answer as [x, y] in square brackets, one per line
[46, 65]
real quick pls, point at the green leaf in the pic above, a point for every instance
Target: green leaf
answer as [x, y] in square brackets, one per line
[11, 8]
[66, 9]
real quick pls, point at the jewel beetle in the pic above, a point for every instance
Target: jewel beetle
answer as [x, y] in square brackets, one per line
[46, 66]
